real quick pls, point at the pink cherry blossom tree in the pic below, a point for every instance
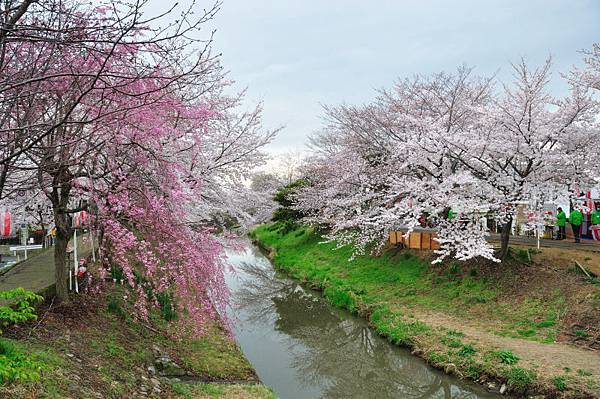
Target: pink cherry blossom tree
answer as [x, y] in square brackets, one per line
[134, 124]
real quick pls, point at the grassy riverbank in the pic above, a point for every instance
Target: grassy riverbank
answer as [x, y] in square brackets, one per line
[532, 327]
[92, 349]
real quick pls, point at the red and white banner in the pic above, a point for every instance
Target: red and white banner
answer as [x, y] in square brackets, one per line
[596, 232]
[5, 224]
[80, 219]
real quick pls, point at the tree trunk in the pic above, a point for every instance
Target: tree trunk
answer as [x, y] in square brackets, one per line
[504, 238]
[63, 234]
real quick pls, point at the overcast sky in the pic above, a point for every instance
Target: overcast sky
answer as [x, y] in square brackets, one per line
[297, 55]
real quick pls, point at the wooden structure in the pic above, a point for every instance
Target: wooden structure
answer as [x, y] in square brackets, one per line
[418, 239]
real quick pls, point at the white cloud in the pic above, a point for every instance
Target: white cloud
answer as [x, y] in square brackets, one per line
[294, 55]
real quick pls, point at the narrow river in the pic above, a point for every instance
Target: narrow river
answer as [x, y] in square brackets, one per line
[303, 347]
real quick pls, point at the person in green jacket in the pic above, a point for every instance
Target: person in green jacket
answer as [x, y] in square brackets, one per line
[450, 214]
[576, 218]
[595, 219]
[561, 221]
[595, 216]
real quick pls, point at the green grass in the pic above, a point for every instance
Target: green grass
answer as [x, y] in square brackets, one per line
[406, 280]
[467, 351]
[215, 356]
[396, 327]
[18, 366]
[581, 333]
[560, 383]
[367, 279]
[519, 377]
[218, 391]
[109, 351]
[451, 342]
[534, 318]
[506, 357]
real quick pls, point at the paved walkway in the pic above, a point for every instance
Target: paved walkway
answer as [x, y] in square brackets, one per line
[37, 273]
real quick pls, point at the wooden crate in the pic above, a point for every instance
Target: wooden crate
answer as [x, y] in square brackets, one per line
[426, 241]
[415, 240]
[397, 238]
[434, 244]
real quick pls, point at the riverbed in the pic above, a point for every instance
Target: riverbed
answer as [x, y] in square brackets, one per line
[303, 347]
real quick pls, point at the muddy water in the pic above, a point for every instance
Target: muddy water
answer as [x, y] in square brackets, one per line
[303, 347]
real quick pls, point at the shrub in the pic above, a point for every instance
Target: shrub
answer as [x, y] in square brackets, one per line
[114, 306]
[519, 378]
[286, 215]
[167, 307]
[455, 333]
[560, 383]
[545, 323]
[454, 268]
[523, 255]
[506, 357]
[467, 351]
[581, 333]
[116, 273]
[16, 366]
[452, 342]
[19, 307]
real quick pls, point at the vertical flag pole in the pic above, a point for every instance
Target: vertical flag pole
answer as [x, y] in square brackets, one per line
[92, 242]
[75, 259]
[70, 273]
[26, 240]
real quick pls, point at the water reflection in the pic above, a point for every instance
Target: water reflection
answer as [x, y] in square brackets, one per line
[330, 353]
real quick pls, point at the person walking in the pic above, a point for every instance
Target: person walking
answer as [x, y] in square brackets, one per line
[595, 219]
[561, 222]
[595, 215]
[576, 218]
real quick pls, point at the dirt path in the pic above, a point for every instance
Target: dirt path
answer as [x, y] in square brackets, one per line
[553, 358]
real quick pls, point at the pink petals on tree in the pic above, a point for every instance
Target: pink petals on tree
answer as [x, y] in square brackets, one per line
[105, 112]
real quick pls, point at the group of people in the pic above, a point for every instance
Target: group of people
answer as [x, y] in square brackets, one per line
[575, 220]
